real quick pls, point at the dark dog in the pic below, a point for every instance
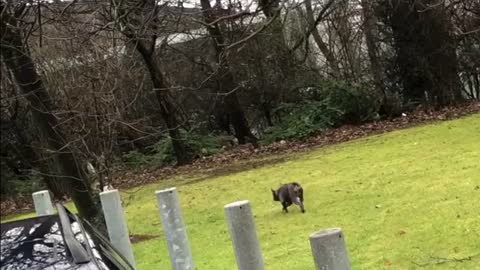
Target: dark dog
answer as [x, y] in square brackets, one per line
[288, 194]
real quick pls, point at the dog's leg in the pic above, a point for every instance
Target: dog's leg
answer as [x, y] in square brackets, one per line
[299, 202]
[285, 205]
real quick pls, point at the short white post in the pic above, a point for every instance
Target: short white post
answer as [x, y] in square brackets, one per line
[174, 229]
[43, 203]
[244, 236]
[329, 251]
[116, 224]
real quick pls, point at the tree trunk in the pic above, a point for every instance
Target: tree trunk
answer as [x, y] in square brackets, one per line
[327, 53]
[425, 51]
[476, 81]
[165, 100]
[226, 83]
[236, 115]
[278, 43]
[144, 15]
[70, 176]
[222, 119]
[371, 35]
[348, 52]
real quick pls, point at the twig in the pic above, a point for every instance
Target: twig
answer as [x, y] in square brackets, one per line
[323, 13]
[233, 45]
[440, 260]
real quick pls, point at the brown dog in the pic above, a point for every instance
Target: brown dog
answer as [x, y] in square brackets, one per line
[288, 194]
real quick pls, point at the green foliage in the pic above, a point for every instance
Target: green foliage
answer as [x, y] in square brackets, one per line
[328, 104]
[394, 105]
[355, 101]
[206, 145]
[26, 185]
[136, 159]
[162, 153]
[303, 120]
[13, 184]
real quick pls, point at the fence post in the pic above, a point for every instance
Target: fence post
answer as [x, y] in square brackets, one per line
[43, 203]
[244, 236]
[116, 224]
[329, 251]
[174, 229]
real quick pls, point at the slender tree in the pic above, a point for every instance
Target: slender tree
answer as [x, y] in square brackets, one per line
[227, 87]
[137, 21]
[322, 45]
[371, 36]
[66, 169]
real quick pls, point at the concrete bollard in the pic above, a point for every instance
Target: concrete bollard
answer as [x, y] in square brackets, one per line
[43, 203]
[116, 224]
[329, 251]
[244, 236]
[174, 229]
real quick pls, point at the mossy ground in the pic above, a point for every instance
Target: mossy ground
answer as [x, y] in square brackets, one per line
[409, 199]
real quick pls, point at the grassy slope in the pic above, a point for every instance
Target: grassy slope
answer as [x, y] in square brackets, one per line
[423, 180]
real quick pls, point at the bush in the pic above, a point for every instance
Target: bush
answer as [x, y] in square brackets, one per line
[356, 102]
[394, 105]
[328, 104]
[12, 184]
[137, 159]
[162, 153]
[303, 120]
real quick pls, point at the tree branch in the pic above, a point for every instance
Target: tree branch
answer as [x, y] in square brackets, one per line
[326, 10]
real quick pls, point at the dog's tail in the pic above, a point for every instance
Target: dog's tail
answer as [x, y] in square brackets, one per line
[275, 195]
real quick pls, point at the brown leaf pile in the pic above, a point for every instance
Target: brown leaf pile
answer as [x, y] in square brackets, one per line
[246, 157]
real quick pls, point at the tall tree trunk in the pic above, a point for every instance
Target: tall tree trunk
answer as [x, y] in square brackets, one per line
[226, 82]
[143, 14]
[278, 43]
[425, 50]
[476, 81]
[70, 175]
[165, 100]
[327, 53]
[348, 51]
[268, 113]
[371, 35]
[222, 120]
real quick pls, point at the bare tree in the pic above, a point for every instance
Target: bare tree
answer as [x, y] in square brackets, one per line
[137, 21]
[226, 82]
[372, 36]
[324, 48]
[66, 169]
[465, 17]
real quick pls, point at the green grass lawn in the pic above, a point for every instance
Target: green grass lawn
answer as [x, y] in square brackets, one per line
[409, 199]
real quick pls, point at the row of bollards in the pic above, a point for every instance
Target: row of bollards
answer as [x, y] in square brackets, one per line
[328, 246]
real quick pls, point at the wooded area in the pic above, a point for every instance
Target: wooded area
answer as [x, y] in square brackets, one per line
[145, 82]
